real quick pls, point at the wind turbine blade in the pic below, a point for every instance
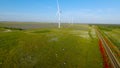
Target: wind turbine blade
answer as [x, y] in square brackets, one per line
[59, 14]
[58, 7]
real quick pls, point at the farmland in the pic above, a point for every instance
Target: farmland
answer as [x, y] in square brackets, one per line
[72, 46]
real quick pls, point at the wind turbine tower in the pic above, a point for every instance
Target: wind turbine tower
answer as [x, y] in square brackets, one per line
[59, 14]
[72, 21]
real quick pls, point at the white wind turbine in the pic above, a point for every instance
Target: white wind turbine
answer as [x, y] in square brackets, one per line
[72, 21]
[59, 14]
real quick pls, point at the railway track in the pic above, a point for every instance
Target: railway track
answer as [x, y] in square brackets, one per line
[115, 63]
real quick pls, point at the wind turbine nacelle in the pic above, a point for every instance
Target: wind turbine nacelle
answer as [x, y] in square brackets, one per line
[60, 11]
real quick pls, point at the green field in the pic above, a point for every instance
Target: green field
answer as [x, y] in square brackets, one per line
[73, 47]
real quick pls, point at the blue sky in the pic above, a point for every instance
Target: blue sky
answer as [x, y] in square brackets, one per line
[81, 11]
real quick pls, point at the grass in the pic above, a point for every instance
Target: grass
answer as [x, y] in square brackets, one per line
[50, 48]
[42, 31]
[7, 42]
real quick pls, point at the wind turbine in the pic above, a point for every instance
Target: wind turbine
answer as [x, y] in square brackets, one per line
[72, 21]
[59, 14]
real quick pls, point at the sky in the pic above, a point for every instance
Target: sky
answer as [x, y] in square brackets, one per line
[78, 11]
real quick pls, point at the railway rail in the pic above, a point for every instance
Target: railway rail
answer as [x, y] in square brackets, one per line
[115, 63]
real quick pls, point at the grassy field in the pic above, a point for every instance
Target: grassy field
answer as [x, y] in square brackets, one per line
[73, 47]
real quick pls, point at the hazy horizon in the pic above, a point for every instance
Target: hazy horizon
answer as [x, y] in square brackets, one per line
[81, 11]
